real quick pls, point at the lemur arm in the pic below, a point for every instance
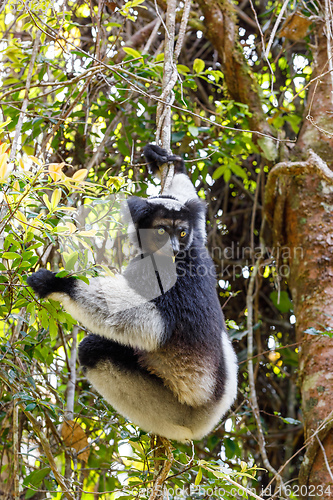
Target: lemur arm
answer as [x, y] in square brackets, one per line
[107, 307]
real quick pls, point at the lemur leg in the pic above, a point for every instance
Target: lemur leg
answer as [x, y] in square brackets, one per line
[115, 373]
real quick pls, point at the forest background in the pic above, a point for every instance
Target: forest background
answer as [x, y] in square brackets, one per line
[252, 117]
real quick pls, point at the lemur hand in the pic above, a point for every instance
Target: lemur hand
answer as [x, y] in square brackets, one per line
[44, 282]
[157, 156]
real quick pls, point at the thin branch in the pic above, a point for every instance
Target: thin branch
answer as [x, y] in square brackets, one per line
[164, 471]
[153, 35]
[275, 28]
[69, 413]
[16, 452]
[325, 457]
[328, 27]
[26, 97]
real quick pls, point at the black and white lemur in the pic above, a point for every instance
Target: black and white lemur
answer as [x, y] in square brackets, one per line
[159, 352]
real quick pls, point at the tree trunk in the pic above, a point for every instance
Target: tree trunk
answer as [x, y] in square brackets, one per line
[299, 207]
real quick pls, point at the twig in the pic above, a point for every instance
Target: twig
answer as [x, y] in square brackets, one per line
[328, 23]
[266, 54]
[26, 97]
[16, 452]
[164, 471]
[69, 413]
[275, 28]
[325, 457]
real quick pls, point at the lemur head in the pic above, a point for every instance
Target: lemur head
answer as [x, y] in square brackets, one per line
[163, 223]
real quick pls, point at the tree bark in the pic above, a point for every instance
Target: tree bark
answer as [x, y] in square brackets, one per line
[299, 197]
[317, 129]
[299, 201]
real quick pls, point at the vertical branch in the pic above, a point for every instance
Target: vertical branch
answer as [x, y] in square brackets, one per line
[16, 451]
[170, 75]
[163, 112]
[329, 35]
[26, 97]
[69, 413]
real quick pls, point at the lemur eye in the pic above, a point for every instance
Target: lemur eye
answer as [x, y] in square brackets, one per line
[161, 231]
[183, 234]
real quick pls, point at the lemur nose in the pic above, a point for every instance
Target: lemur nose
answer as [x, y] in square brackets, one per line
[175, 244]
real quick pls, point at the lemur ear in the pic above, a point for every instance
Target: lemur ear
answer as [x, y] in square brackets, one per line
[138, 207]
[197, 208]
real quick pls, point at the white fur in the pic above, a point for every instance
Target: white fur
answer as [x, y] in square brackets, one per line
[167, 203]
[109, 307]
[181, 188]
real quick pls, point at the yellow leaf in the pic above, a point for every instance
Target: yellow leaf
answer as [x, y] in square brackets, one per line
[80, 175]
[55, 171]
[35, 160]
[71, 227]
[24, 167]
[5, 168]
[21, 218]
[47, 202]
[243, 466]
[3, 148]
[56, 196]
[92, 232]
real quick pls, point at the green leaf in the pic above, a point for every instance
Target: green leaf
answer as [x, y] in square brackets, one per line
[30, 406]
[4, 124]
[70, 262]
[82, 278]
[269, 149]
[281, 301]
[219, 171]
[11, 255]
[198, 478]
[230, 448]
[132, 52]
[193, 130]
[183, 69]
[36, 477]
[198, 65]
[238, 170]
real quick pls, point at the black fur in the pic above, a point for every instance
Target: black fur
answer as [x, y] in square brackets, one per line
[156, 157]
[94, 348]
[44, 282]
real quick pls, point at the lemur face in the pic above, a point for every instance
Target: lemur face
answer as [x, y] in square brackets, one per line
[162, 225]
[165, 232]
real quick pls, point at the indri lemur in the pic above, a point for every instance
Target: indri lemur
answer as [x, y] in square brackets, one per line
[159, 352]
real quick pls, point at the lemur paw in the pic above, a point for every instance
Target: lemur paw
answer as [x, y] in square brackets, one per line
[157, 156]
[44, 282]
